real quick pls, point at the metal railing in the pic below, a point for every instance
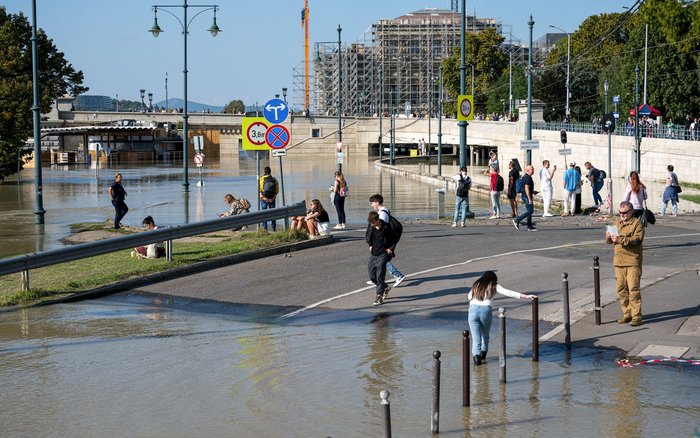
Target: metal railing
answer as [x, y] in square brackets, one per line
[24, 263]
[676, 132]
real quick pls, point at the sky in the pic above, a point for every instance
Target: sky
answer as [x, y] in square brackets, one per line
[261, 41]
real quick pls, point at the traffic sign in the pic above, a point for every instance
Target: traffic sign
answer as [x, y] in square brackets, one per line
[616, 99]
[199, 159]
[565, 151]
[254, 129]
[277, 137]
[465, 107]
[279, 152]
[198, 141]
[529, 144]
[608, 123]
[275, 111]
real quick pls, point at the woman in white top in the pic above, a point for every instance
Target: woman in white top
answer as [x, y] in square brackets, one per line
[480, 309]
[636, 193]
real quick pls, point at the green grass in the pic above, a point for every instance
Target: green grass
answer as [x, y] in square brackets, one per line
[67, 278]
[691, 198]
[689, 185]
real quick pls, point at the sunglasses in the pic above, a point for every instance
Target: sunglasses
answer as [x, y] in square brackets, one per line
[624, 212]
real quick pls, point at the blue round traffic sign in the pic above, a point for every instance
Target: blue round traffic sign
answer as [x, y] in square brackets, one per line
[275, 111]
[277, 137]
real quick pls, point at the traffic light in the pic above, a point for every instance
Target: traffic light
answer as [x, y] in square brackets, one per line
[563, 136]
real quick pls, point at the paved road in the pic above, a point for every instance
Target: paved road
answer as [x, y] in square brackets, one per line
[440, 261]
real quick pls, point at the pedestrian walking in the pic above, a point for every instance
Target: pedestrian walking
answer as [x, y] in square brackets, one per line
[512, 195]
[377, 203]
[579, 191]
[627, 235]
[480, 299]
[597, 178]
[528, 195]
[382, 241]
[340, 191]
[546, 176]
[636, 194]
[495, 188]
[117, 194]
[268, 189]
[671, 192]
[571, 178]
[463, 183]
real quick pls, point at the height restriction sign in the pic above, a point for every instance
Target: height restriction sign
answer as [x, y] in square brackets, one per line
[465, 107]
[254, 129]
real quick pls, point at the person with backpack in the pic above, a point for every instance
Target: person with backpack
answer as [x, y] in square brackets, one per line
[382, 242]
[495, 189]
[235, 206]
[268, 188]
[512, 195]
[377, 202]
[462, 185]
[597, 179]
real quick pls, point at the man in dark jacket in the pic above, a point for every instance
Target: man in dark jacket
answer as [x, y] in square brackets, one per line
[382, 241]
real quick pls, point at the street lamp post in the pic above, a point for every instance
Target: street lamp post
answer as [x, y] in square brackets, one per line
[637, 139]
[528, 128]
[462, 68]
[143, 104]
[340, 101]
[568, 64]
[36, 111]
[150, 102]
[185, 23]
[284, 94]
[439, 134]
[606, 87]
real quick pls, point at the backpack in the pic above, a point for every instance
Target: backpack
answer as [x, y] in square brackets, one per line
[395, 225]
[602, 175]
[500, 184]
[519, 186]
[269, 187]
[463, 186]
[245, 203]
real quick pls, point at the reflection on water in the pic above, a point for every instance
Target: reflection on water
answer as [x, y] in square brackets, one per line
[74, 195]
[150, 366]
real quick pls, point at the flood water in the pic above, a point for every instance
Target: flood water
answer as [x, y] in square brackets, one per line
[151, 366]
[144, 365]
[73, 195]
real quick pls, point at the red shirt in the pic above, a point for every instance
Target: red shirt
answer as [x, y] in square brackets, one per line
[494, 181]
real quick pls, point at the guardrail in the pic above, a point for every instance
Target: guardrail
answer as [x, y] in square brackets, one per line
[676, 132]
[27, 262]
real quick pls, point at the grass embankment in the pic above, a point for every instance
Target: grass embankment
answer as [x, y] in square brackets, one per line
[691, 198]
[67, 278]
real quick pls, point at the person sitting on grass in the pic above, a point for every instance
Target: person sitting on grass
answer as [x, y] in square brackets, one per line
[152, 251]
[315, 222]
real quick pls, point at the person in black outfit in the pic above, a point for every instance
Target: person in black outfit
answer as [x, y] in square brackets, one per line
[382, 241]
[117, 194]
[528, 198]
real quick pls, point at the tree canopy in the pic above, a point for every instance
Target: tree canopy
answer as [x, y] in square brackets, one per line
[235, 107]
[57, 77]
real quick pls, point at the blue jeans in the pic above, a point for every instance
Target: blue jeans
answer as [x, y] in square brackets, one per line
[120, 210]
[461, 207]
[393, 271]
[264, 206]
[597, 200]
[529, 209]
[480, 325]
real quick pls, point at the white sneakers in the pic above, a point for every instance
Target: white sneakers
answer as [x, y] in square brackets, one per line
[339, 226]
[398, 281]
[547, 214]
[454, 224]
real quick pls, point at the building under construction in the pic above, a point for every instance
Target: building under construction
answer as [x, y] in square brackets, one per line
[396, 65]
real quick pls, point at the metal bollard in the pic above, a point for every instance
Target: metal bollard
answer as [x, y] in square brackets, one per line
[567, 316]
[502, 353]
[169, 250]
[24, 280]
[536, 329]
[596, 290]
[465, 368]
[384, 395]
[441, 203]
[435, 414]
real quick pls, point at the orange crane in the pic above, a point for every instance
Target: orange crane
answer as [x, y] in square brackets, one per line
[305, 23]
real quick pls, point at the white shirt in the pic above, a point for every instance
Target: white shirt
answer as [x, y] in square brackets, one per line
[384, 214]
[545, 178]
[487, 300]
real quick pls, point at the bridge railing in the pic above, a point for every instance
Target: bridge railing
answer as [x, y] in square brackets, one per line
[25, 263]
[676, 132]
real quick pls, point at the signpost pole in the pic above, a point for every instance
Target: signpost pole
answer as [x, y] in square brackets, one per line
[286, 219]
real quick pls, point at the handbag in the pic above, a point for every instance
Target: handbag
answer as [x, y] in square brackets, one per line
[648, 217]
[678, 189]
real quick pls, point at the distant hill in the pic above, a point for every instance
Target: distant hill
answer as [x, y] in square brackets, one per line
[193, 107]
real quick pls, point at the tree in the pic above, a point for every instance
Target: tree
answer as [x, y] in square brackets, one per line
[56, 78]
[235, 107]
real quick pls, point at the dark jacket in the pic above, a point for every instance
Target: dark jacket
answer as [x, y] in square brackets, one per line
[380, 239]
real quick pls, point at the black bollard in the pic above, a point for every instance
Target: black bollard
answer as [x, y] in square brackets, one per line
[567, 316]
[536, 329]
[465, 368]
[384, 395]
[596, 290]
[435, 414]
[502, 354]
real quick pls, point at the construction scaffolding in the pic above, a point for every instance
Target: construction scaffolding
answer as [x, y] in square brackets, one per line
[395, 64]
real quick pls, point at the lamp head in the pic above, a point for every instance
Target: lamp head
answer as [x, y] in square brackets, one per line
[606, 86]
[214, 28]
[143, 93]
[155, 29]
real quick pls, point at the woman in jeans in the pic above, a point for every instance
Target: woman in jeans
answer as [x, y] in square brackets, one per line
[339, 189]
[480, 309]
[636, 193]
